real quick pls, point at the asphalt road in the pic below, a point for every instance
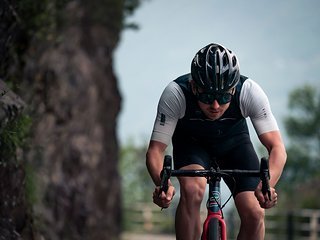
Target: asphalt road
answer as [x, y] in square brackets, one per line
[137, 236]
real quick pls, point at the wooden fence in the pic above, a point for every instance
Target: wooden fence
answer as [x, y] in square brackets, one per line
[146, 217]
[303, 224]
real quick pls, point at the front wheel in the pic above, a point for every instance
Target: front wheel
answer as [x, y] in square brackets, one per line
[213, 229]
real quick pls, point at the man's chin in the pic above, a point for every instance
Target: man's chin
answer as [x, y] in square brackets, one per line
[213, 116]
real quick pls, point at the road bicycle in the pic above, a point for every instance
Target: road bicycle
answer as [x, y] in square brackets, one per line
[214, 226]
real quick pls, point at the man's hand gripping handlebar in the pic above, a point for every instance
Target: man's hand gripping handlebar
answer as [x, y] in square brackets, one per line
[163, 194]
[165, 174]
[265, 194]
[265, 177]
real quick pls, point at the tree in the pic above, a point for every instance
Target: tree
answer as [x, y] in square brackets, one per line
[302, 170]
[58, 56]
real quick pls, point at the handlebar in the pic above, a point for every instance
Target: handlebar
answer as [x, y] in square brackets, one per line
[263, 173]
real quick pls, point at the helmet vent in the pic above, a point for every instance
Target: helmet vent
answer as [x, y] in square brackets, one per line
[224, 60]
[234, 61]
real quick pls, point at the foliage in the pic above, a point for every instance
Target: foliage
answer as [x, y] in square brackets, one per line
[137, 188]
[31, 185]
[38, 19]
[23, 22]
[136, 182]
[129, 7]
[110, 8]
[303, 127]
[14, 136]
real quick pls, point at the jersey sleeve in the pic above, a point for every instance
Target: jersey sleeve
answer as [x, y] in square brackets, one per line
[171, 107]
[254, 104]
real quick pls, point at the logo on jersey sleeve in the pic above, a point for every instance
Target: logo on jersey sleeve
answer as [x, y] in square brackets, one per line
[162, 119]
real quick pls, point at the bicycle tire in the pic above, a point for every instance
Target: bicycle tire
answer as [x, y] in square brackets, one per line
[213, 229]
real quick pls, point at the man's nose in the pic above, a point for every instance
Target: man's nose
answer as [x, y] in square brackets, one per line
[215, 104]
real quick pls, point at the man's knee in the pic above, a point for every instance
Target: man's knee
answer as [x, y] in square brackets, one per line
[254, 216]
[249, 209]
[192, 190]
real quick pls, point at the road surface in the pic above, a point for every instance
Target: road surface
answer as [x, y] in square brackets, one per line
[140, 236]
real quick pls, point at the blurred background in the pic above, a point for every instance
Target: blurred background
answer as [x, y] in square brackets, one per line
[80, 81]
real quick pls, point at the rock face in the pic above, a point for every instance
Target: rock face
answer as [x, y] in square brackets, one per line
[11, 105]
[13, 207]
[72, 95]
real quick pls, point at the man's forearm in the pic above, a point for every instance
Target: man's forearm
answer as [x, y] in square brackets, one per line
[277, 161]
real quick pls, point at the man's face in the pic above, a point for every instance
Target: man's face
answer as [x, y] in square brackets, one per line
[214, 110]
[212, 106]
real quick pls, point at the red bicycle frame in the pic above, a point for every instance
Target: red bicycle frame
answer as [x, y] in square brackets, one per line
[214, 210]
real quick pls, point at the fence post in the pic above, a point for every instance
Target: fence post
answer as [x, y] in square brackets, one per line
[147, 218]
[290, 226]
[313, 225]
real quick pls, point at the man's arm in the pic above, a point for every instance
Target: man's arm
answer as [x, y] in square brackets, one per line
[277, 159]
[277, 154]
[154, 162]
[171, 107]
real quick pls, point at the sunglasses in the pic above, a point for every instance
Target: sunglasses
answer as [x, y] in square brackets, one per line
[208, 98]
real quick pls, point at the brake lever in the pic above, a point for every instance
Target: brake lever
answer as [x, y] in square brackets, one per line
[165, 175]
[265, 177]
[164, 181]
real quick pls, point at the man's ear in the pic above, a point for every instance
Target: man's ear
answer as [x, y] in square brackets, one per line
[193, 87]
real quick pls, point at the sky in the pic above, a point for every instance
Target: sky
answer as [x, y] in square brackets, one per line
[276, 41]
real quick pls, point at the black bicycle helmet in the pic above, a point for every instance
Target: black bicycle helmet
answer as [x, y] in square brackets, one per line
[215, 68]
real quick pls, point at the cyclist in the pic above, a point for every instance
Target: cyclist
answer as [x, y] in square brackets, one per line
[204, 115]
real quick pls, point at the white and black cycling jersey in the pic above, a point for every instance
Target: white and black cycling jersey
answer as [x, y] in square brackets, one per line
[179, 116]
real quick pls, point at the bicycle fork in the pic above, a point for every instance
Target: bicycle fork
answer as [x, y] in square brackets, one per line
[214, 209]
